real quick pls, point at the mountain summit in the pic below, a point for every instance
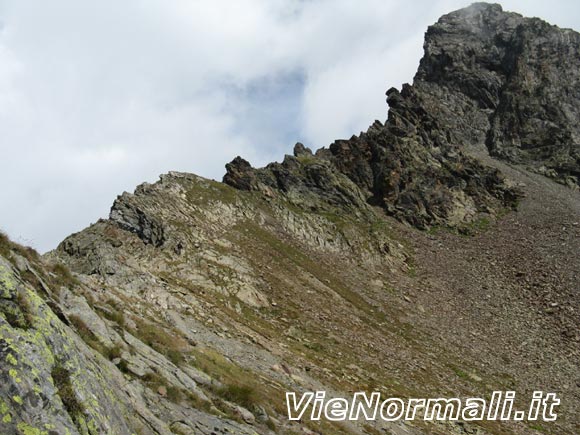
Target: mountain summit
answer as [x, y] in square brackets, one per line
[488, 80]
[509, 82]
[434, 255]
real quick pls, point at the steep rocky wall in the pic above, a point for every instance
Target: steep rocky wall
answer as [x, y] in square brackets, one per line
[488, 79]
[51, 382]
[66, 369]
[510, 82]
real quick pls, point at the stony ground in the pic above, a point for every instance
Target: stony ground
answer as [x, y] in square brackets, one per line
[507, 299]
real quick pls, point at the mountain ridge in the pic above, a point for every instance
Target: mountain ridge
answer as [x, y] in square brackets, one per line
[426, 257]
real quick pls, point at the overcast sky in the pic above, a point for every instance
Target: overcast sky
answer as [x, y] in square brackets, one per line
[99, 96]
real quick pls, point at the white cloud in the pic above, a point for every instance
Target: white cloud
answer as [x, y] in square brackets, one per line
[96, 97]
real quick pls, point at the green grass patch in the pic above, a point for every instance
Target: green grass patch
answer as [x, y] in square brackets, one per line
[62, 276]
[244, 395]
[203, 192]
[7, 246]
[174, 394]
[459, 372]
[18, 312]
[538, 427]
[92, 340]
[113, 312]
[154, 336]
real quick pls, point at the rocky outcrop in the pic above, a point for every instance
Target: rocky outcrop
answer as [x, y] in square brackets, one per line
[407, 166]
[240, 175]
[510, 82]
[304, 179]
[413, 166]
[51, 383]
[410, 167]
[66, 368]
[488, 79]
[130, 217]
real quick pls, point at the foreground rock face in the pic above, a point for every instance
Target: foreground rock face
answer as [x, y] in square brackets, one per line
[51, 382]
[198, 304]
[66, 369]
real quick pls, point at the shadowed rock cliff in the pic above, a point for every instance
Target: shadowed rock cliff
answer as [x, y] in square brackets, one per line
[509, 82]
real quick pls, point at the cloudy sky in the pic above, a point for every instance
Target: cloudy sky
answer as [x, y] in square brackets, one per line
[99, 96]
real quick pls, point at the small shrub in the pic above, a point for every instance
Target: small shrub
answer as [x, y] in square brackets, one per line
[152, 379]
[5, 245]
[114, 352]
[223, 408]
[123, 366]
[63, 276]
[114, 315]
[29, 277]
[14, 315]
[90, 298]
[18, 312]
[175, 356]
[63, 384]
[164, 343]
[81, 327]
[152, 335]
[175, 394]
[317, 347]
[27, 252]
[195, 402]
[118, 317]
[87, 335]
[243, 395]
[25, 308]
[155, 380]
[271, 425]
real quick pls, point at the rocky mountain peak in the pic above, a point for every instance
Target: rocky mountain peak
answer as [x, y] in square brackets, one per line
[489, 80]
[515, 79]
[197, 305]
